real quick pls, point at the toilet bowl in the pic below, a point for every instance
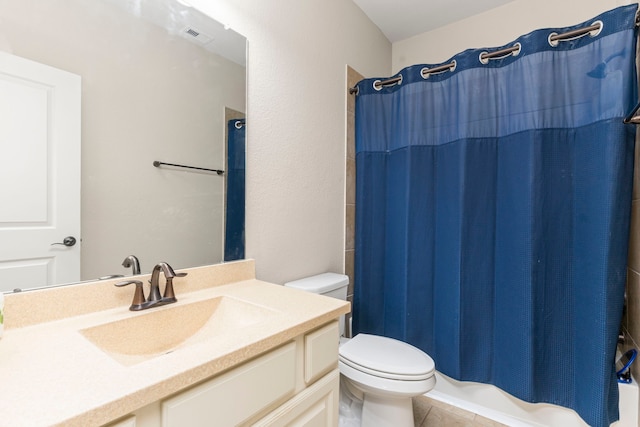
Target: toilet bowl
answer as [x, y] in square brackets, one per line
[385, 374]
[381, 372]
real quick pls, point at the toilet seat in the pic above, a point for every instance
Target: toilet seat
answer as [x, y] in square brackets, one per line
[380, 386]
[386, 358]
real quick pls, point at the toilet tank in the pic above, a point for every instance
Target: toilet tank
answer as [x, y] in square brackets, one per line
[328, 284]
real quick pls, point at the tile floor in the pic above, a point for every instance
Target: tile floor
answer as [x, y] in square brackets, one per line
[432, 413]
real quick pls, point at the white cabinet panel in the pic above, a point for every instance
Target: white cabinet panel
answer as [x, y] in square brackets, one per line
[233, 397]
[321, 352]
[316, 406]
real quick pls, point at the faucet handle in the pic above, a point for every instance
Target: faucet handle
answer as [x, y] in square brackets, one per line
[138, 296]
[169, 295]
[128, 282]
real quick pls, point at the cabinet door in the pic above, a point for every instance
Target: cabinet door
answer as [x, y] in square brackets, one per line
[232, 398]
[316, 406]
[321, 352]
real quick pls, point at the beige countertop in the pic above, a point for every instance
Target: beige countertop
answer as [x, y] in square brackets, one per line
[52, 375]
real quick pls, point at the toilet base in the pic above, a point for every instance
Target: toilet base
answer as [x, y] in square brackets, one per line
[387, 412]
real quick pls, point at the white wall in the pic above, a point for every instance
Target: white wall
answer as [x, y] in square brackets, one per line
[494, 28]
[298, 51]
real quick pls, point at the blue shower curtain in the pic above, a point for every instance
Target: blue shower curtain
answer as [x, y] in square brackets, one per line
[234, 216]
[492, 214]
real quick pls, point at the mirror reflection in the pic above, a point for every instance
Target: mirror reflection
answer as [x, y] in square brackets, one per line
[157, 81]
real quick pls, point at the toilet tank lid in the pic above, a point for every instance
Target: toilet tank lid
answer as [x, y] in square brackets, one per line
[321, 283]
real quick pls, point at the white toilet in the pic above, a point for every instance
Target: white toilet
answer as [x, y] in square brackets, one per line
[381, 372]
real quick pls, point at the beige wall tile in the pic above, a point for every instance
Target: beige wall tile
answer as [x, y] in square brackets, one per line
[634, 237]
[629, 344]
[350, 242]
[351, 136]
[438, 417]
[452, 409]
[351, 181]
[635, 368]
[625, 316]
[349, 269]
[633, 305]
[353, 77]
[480, 421]
[351, 101]
[421, 407]
[428, 412]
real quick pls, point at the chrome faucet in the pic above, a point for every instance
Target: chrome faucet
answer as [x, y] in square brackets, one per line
[132, 261]
[154, 299]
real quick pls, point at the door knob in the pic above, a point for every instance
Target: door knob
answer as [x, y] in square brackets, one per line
[67, 241]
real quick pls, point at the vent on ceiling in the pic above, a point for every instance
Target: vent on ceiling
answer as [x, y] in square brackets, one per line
[194, 34]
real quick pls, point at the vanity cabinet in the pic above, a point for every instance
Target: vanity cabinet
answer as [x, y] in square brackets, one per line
[295, 384]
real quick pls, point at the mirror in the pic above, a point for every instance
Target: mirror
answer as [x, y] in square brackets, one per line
[160, 81]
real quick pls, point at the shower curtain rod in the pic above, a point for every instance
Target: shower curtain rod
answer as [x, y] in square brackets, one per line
[158, 164]
[554, 38]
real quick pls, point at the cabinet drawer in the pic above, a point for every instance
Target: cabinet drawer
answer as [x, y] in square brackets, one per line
[315, 406]
[235, 396]
[321, 352]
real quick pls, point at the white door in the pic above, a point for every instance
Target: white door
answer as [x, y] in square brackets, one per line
[39, 174]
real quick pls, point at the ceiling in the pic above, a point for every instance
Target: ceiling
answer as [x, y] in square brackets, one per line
[401, 19]
[178, 17]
